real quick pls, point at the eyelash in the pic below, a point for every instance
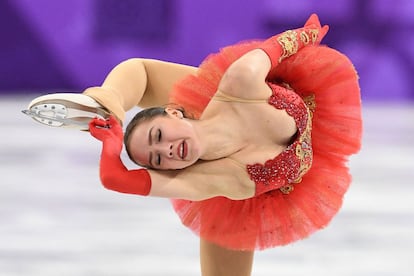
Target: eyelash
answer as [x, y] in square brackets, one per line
[159, 135]
[159, 139]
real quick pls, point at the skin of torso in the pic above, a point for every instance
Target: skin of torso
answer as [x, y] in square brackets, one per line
[247, 130]
[257, 131]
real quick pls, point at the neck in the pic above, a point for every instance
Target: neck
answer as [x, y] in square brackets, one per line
[217, 138]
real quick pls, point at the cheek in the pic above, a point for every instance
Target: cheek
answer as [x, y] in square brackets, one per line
[185, 129]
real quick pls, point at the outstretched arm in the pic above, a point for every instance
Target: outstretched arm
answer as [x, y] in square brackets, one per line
[288, 43]
[245, 78]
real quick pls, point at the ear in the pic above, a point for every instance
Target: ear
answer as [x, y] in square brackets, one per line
[174, 112]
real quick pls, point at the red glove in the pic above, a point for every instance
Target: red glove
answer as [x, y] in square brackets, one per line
[113, 173]
[284, 45]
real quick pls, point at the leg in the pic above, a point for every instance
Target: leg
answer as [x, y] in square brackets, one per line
[142, 82]
[218, 261]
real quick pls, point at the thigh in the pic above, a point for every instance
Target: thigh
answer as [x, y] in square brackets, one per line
[142, 82]
[161, 76]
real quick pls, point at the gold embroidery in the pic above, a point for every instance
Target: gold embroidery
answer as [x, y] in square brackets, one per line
[310, 103]
[304, 37]
[289, 43]
[287, 189]
[314, 35]
[304, 148]
[297, 180]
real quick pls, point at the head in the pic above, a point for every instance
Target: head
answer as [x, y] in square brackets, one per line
[162, 138]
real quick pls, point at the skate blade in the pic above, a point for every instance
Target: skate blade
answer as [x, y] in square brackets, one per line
[55, 119]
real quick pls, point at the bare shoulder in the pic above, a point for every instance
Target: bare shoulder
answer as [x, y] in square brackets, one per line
[245, 78]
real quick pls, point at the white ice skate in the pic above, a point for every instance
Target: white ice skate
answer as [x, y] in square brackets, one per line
[68, 110]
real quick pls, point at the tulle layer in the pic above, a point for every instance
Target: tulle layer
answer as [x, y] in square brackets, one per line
[274, 218]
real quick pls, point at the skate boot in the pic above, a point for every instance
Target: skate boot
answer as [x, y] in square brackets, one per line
[68, 110]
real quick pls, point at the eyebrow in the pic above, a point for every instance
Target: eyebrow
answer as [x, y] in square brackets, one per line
[150, 136]
[150, 143]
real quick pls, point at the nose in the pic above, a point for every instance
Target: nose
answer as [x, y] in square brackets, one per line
[165, 149]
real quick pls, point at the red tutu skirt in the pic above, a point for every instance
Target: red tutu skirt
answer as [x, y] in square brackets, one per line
[274, 218]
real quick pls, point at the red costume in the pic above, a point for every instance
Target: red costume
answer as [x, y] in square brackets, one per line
[301, 189]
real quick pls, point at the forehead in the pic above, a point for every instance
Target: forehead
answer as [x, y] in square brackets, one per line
[138, 142]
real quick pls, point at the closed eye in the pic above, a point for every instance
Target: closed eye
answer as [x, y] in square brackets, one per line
[158, 161]
[159, 135]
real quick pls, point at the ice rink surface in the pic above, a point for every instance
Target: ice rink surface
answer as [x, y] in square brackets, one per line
[56, 218]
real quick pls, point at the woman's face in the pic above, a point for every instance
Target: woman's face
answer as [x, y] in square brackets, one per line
[165, 142]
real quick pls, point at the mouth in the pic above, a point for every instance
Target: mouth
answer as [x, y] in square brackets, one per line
[182, 150]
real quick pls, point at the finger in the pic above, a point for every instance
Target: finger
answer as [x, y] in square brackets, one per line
[93, 123]
[112, 120]
[93, 130]
[324, 30]
[99, 132]
[313, 21]
[115, 126]
[99, 122]
[95, 127]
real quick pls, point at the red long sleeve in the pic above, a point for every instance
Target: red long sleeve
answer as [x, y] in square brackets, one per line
[288, 43]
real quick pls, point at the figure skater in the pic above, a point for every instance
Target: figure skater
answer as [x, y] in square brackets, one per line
[251, 147]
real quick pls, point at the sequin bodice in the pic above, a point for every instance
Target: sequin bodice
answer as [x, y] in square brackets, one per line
[287, 168]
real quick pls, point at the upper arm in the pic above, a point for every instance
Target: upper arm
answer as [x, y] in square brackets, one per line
[202, 181]
[245, 78]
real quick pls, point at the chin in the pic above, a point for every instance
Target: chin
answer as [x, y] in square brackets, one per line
[185, 165]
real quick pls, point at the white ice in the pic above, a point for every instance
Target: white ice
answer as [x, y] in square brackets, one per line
[56, 218]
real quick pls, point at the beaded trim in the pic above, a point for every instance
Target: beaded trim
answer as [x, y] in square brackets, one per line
[288, 168]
